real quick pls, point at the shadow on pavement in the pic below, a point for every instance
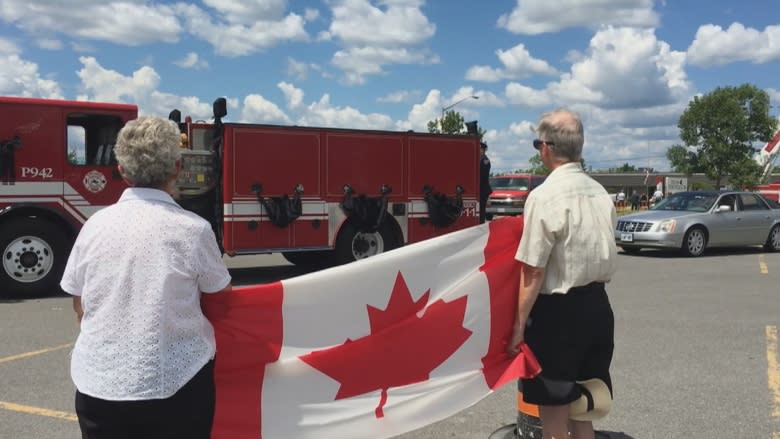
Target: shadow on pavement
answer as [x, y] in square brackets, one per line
[708, 253]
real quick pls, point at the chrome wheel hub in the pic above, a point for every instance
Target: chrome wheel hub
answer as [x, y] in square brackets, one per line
[365, 245]
[27, 259]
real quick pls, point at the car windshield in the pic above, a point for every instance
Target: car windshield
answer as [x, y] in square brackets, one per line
[518, 184]
[687, 201]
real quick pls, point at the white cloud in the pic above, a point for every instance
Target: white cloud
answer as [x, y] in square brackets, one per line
[431, 107]
[19, 77]
[323, 114]
[233, 27]
[257, 109]
[120, 22]
[101, 84]
[373, 37]
[715, 46]
[82, 47]
[236, 38]
[521, 95]
[248, 12]
[311, 14]
[422, 113]
[297, 69]
[49, 43]
[292, 94]
[532, 17]
[192, 61]
[357, 62]
[630, 89]
[398, 97]
[625, 68]
[517, 62]
[8, 47]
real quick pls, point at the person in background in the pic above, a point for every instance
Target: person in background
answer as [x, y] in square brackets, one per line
[634, 200]
[484, 182]
[621, 199]
[657, 196]
[143, 362]
[568, 253]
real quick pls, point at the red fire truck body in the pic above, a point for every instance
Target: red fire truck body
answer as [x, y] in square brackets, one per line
[320, 196]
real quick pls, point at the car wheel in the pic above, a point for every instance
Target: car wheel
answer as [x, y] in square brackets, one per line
[694, 242]
[773, 241]
[631, 250]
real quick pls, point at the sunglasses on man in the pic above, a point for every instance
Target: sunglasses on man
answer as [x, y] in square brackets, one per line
[538, 143]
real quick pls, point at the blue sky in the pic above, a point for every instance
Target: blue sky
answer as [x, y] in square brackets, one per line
[629, 67]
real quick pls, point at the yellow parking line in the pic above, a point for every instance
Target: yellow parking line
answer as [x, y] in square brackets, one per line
[762, 264]
[30, 410]
[773, 368]
[34, 353]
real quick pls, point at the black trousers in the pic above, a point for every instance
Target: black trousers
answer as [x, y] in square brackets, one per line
[188, 414]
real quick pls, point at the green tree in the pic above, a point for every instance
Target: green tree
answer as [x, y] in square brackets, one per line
[719, 130]
[537, 167]
[451, 123]
[624, 169]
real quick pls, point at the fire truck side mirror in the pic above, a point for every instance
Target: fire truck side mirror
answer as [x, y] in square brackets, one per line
[220, 108]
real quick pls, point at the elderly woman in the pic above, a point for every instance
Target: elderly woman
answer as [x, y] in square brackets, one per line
[143, 362]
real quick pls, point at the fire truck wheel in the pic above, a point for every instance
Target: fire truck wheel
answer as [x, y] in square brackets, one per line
[34, 255]
[352, 244]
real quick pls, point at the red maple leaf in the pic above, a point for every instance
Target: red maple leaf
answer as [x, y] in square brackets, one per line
[402, 349]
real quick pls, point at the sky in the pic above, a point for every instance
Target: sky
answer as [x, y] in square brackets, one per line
[628, 67]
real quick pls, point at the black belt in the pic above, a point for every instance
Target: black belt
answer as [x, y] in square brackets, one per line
[597, 286]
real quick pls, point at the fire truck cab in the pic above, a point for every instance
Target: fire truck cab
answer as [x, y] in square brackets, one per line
[56, 169]
[320, 196]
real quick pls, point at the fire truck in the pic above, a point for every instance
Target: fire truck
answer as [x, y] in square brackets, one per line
[319, 196]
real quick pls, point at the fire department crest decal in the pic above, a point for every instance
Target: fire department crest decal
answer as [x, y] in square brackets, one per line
[95, 181]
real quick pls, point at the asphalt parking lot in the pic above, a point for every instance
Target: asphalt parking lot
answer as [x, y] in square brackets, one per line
[696, 353]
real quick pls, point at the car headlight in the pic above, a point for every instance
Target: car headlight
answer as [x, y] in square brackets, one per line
[667, 226]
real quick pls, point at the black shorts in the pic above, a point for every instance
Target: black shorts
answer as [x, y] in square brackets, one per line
[572, 336]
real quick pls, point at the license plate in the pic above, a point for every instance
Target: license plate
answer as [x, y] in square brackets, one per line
[500, 210]
[627, 237]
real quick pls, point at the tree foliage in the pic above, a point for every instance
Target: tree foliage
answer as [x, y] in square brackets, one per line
[451, 123]
[624, 169]
[537, 167]
[719, 130]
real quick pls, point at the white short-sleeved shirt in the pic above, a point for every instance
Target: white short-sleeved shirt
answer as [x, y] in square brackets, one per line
[139, 266]
[569, 229]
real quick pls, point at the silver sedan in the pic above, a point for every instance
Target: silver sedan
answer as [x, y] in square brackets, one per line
[693, 221]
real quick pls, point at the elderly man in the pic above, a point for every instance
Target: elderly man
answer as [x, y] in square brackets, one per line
[143, 363]
[568, 253]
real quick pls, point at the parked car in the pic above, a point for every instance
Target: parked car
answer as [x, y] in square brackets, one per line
[510, 192]
[694, 221]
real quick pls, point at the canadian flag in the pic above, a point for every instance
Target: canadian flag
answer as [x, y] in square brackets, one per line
[374, 348]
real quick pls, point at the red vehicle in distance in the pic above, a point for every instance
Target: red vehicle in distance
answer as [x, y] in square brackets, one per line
[510, 192]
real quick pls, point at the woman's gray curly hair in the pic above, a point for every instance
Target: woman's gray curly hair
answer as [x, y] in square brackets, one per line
[147, 148]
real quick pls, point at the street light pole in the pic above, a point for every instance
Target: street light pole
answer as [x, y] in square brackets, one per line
[444, 109]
